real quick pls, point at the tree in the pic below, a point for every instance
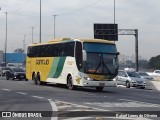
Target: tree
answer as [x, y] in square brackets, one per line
[143, 63]
[19, 50]
[154, 62]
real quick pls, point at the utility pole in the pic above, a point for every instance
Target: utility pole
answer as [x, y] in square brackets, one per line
[24, 43]
[6, 41]
[114, 11]
[40, 24]
[32, 34]
[54, 26]
[136, 50]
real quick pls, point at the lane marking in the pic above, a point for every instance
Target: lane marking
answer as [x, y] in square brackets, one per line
[37, 97]
[77, 105]
[6, 89]
[54, 108]
[22, 93]
[147, 104]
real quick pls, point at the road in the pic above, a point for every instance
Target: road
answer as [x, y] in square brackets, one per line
[119, 102]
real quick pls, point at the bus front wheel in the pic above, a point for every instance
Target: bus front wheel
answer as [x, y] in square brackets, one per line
[70, 83]
[99, 89]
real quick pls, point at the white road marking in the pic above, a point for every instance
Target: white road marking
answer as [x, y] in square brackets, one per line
[77, 105]
[6, 89]
[145, 103]
[22, 93]
[54, 108]
[37, 97]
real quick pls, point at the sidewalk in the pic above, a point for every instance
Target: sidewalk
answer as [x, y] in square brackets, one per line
[153, 84]
[156, 84]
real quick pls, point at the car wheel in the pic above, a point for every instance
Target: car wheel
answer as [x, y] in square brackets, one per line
[70, 83]
[99, 89]
[127, 84]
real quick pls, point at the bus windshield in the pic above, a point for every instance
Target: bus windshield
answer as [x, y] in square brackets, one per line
[101, 58]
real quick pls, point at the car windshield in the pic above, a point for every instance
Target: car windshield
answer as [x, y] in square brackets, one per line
[133, 74]
[143, 74]
[18, 70]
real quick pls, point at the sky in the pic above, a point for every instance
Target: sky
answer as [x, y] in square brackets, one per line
[75, 19]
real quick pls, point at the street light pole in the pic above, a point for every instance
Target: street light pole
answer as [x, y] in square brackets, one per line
[6, 40]
[114, 11]
[24, 43]
[40, 24]
[32, 35]
[54, 26]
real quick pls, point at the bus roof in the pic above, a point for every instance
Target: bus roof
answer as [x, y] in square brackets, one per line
[60, 40]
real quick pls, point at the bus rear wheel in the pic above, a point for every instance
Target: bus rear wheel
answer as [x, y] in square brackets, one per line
[39, 82]
[34, 78]
[70, 83]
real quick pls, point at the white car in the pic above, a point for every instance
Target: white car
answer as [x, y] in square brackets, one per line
[130, 79]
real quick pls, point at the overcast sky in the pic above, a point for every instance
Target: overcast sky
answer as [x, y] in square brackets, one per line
[76, 18]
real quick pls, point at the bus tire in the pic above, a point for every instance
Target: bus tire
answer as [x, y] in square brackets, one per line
[70, 83]
[99, 89]
[39, 82]
[34, 78]
[7, 77]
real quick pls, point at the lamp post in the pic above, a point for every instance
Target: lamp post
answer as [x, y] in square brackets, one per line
[5, 41]
[24, 43]
[114, 11]
[32, 34]
[40, 24]
[54, 26]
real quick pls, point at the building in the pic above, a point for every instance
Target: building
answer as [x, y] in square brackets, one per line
[14, 57]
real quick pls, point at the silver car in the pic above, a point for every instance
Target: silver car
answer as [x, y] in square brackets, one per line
[144, 75]
[130, 79]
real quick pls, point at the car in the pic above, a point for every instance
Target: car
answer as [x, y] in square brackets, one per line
[130, 79]
[4, 70]
[0, 71]
[144, 75]
[16, 73]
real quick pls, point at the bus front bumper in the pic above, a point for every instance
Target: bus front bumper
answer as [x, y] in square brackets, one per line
[88, 83]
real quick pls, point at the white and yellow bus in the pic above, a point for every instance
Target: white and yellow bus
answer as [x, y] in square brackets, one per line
[74, 62]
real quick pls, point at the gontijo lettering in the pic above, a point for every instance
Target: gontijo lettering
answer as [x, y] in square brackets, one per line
[42, 62]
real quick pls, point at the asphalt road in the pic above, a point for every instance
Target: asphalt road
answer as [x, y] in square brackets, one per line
[120, 102]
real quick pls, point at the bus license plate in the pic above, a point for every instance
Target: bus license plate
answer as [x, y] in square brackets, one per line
[101, 84]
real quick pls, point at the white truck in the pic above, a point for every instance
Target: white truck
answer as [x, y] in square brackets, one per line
[156, 73]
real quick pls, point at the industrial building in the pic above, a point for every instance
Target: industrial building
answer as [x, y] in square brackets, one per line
[16, 58]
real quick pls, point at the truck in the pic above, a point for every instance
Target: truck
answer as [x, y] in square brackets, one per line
[155, 73]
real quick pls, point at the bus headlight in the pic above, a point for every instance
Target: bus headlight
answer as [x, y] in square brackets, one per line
[87, 78]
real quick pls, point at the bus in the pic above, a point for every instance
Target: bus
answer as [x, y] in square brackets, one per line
[73, 62]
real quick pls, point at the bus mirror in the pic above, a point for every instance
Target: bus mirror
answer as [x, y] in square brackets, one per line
[117, 53]
[84, 55]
